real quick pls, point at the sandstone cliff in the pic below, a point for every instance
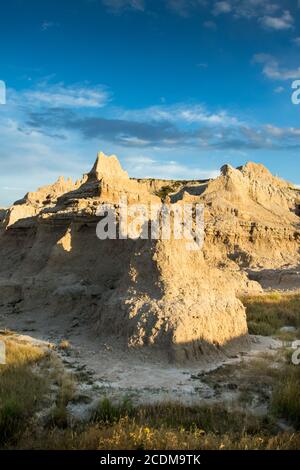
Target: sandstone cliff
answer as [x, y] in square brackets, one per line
[149, 293]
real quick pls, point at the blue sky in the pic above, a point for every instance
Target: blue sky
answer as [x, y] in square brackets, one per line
[175, 88]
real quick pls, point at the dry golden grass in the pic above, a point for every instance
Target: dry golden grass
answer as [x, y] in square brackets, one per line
[131, 435]
[19, 353]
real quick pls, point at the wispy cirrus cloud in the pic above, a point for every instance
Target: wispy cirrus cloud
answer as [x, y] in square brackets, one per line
[76, 96]
[183, 113]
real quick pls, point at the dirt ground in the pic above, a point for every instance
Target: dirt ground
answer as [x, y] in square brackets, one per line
[107, 369]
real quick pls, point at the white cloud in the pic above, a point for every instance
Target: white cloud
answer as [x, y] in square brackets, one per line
[141, 166]
[267, 12]
[184, 7]
[33, 160]
[77, 96]
[221, 7]
[181, 113]
[281, 132]
[296, 41]
[48, 24]
[245, 8]
[210, 25]
[273, 71]
[134, 141]
[118, 5]
[279, 89]
[285, 21]
[253, 8]
[38, 143]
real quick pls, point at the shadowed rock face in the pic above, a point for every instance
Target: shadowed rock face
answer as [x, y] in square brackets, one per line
[149, 293]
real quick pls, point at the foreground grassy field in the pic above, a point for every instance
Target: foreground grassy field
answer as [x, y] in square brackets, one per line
[203, 429]
[35, 391]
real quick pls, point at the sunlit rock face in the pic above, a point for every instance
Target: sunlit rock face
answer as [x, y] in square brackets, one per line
[149, 293]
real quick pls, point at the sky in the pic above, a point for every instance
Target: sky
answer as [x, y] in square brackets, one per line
[174, 88]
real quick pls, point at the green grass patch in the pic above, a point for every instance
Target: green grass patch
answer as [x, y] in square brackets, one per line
[286, 396]
[267, 313]
[21, 388]
[108, 412]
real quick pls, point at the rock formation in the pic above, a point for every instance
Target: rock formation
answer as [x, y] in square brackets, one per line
[145, 292]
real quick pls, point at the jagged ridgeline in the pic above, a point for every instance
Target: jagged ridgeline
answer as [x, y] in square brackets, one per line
[149, 293]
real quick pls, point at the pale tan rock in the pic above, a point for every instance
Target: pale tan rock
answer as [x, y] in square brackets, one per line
[150, 293]
[108, 167]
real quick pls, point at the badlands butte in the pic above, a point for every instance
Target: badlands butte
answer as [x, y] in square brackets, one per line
[150, 295]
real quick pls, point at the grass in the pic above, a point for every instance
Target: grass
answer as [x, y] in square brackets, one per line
[25, 388]
[65, 383]
[33, 379]
[267, 313]
[121, 425]
[169, 426]
[216, 419]
[21, 388]
[286, 396]
[110, 413]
